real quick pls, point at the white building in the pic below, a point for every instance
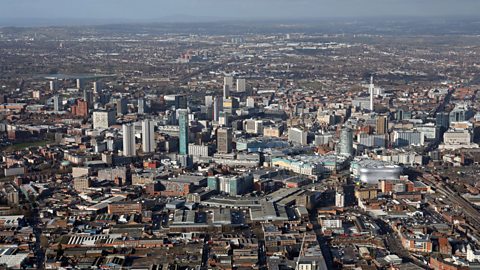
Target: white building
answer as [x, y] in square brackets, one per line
[241, 85]
[372, 140]
[408, 137]
[458, 138]
[57, 103]
[361, 102]
[297, 136]
[250, 102]
[103, 119]
[53, 85]
[339, 199]
[324, 138]
[331, 223]
[197, 150]
[228, 81]
[208, 101]
[429, 130]
[397, 156]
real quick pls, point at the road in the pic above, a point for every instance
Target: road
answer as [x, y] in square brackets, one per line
[322, 240]
[38, 251]
[262, 254]
[205, 252]
[444, 103]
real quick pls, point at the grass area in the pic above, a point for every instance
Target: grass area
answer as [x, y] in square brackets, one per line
[23, 145]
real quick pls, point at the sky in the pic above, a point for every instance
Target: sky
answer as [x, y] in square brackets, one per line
[19, 11]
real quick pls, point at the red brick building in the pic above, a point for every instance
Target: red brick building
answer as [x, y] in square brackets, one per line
[80, 108]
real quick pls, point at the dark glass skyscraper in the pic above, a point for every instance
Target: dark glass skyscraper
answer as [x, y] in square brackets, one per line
[122, 106]
[442, 120]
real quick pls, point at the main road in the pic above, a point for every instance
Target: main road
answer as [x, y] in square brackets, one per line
[322, 240]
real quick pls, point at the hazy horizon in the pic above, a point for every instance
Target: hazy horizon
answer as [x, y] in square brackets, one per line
[27, 12]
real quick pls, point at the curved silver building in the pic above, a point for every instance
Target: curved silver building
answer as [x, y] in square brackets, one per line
[373, 174]
[371, 171]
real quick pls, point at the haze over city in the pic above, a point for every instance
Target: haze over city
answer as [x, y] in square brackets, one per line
[31, 12]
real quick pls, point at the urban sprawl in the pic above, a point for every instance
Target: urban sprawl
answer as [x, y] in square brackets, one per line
[154, 149]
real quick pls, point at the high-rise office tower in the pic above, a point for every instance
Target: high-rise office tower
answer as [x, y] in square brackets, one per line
[226, 91]
[403, 114]
[442, 120]
[103, 98]
[241, 85]
[208, 101]
[230, 105]
[4, 97]
[250, 102]
[209, 107]
[53, 85]
[345, 145]
[97, 87]
[183, 124]
[141, 106]
[228, 80]
[88, 97]
[382, 125]
[122, 106]
[224, 119]
[458, 114]
[148, 136]
[180, 101]
[128, 140]
[79, 84]
[217, 108]
[224, 140]
[371, 89]
[57, 103]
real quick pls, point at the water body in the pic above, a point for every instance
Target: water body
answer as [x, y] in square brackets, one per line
[75, 76]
